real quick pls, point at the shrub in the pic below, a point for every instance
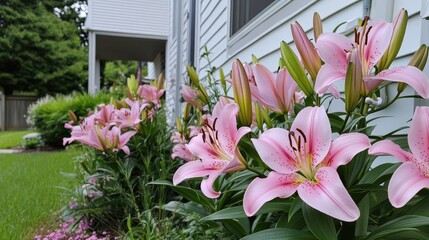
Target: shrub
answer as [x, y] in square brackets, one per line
[49, 114]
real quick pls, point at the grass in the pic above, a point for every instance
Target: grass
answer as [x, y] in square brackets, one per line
[30, 196]
[9, 139]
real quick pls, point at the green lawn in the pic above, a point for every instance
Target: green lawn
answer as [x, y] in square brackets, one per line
[29, 193]
[10, 139]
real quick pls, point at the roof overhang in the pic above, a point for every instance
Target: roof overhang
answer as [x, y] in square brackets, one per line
[120, 46]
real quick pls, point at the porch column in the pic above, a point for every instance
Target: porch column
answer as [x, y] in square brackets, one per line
[93, 65]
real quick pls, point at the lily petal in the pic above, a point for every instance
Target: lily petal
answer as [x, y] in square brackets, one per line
[207, 186]
[328, 74]
[379, 35]
[418, 135]
[406, 182]
[329, 196]
[192, 169]
[286, 87]
[345, 147]
[274, 152]
[314, 123]
[262, 190]
[332, 49]
[227, 127]
[201, 149]
[406, 74]
[387, 147]
[265, 82]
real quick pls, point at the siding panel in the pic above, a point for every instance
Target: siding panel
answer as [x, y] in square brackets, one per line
[131, 16]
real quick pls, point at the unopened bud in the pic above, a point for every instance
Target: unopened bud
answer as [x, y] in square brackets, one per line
[242, 95]
[418, 60]
[317, 26]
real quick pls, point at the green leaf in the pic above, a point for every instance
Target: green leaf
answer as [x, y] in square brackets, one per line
[361, 228]
[336, 122]
[235, 227]
[421, 208]
[185, 208]
[321, 225]
[238, 212]
[404, 223]
[378, 173]
[280, 234]
[296, 206]
[188, 193]
[296, 222]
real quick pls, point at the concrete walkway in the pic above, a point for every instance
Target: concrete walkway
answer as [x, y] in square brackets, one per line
[7, 151]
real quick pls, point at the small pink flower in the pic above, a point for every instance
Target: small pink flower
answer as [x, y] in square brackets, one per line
[190, 95]
[277, 92]
[150, 94]
[216, 146]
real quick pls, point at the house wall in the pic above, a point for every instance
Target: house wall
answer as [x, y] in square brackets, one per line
[128, 16]
[262, 38]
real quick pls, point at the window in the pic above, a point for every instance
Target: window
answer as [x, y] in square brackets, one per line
[242, 11]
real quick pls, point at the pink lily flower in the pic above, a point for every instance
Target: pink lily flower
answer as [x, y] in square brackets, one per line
[150, 94]
[369, 46]
[79, 131]
[216, 146]
[190, 96]
[130, 117]
[105, 115]
[107, 138]
[307, 164]
[277, 92]
[181, 151]
[413, 174]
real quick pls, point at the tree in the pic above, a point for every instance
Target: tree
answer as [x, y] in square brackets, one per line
[39, 51]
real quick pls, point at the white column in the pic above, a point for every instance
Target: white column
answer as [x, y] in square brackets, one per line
[93, 65]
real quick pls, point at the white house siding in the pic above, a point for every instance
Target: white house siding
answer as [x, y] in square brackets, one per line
[213, 26]
[146, 17]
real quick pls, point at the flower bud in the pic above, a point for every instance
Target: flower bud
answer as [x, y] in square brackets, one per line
[242, 95]
[295, 69]
[352, 86]
[179, 125]
[72, 116]
[317, 26]
[419, 61]
[196, 81]
[132, 85]
[255, 60]
[399, 27]
[222, 80]
[259, 117]
[306, 49]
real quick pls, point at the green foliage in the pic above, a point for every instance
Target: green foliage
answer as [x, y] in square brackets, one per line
[113, 187]
[39, 51]
[115, 72]
[48, 115]
[30, 195]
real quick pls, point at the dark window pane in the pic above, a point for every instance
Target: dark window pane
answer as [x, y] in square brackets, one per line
[242, 11]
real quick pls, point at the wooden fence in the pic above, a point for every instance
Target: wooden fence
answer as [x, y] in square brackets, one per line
[13, 112]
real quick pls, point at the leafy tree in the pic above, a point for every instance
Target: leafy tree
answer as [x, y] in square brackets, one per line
[116, 72]
[39, 51]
